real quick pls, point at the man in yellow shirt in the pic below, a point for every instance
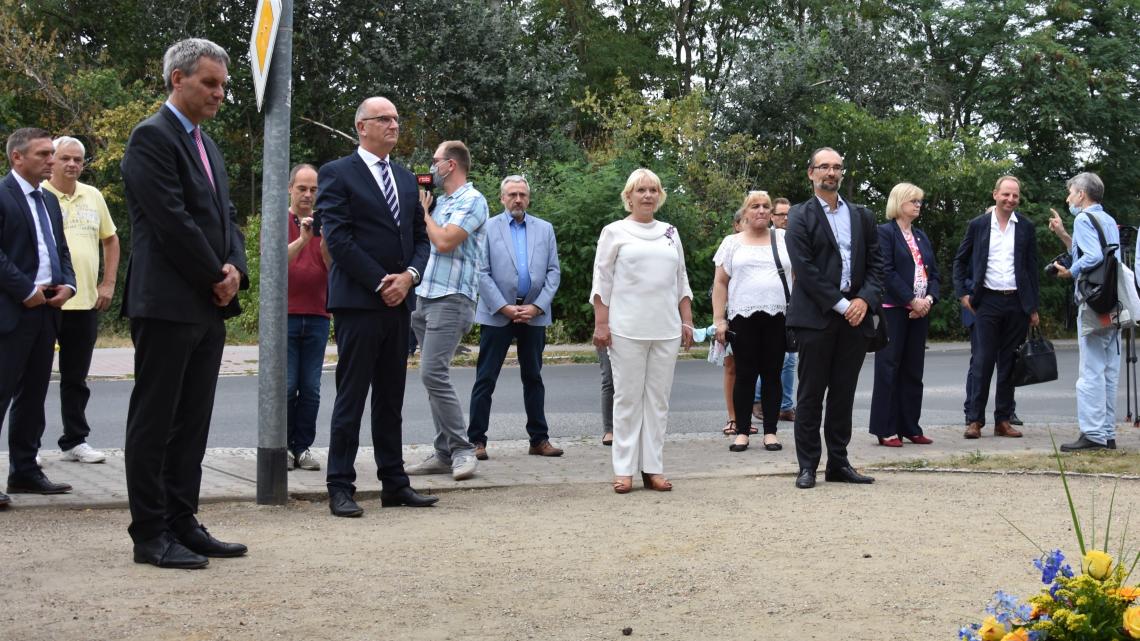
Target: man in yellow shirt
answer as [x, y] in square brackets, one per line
[87, 226]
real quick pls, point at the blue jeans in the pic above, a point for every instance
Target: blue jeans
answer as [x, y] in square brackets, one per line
[308, 336]
[493, 345]
[787, 383]
[1097, 383]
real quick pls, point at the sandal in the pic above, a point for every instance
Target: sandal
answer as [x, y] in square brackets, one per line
[752, 429]
[656, 482]
[623, 484]
[729, 428]
[610, 442]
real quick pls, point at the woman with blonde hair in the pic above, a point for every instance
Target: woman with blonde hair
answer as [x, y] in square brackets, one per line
[642, 314]
[751, 291]
[911, 287]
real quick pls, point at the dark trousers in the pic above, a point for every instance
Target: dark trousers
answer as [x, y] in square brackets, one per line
[493, 345]
[373, 354]
[830, 360]
[77, 334]
[26, 355]
[305, 359]
[758, 349]
[896, 402]
[168, 421]
[999, 327]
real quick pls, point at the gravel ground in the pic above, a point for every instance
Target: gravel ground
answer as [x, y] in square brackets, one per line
[912, 557]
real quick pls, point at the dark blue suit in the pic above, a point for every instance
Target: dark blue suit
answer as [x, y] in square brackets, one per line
[27, 336]
[366, 244]
[896, 402]
[1001, 319]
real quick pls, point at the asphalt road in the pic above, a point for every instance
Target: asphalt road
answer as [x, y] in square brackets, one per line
[573, 405]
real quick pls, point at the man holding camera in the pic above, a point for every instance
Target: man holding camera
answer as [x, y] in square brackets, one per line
[1098, 337]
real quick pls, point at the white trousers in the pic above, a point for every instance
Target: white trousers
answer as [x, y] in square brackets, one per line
[643, 378]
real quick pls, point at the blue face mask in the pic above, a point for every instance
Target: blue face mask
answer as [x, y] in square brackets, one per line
[1074, 209]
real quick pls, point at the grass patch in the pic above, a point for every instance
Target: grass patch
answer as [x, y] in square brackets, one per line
[1094, 462]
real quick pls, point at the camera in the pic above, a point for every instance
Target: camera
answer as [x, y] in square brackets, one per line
[1065, 260]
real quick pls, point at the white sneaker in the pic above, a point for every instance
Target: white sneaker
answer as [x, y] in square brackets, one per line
[306, 461]
[463, 467]
[83, 453]
[289, 462]
[430, 465]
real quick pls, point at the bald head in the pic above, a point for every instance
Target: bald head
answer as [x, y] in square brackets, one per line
[378, 125]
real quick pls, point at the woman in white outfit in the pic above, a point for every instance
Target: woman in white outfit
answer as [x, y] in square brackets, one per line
[642, 314]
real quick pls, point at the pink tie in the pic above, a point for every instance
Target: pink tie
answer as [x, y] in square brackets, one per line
[202, 153]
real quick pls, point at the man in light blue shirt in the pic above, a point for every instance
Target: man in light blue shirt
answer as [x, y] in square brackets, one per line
[1098, 337]
[445, 307]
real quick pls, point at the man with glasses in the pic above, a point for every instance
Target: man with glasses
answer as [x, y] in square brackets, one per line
[834, 251]
[995, 278]
[781, 206]
[445, 306]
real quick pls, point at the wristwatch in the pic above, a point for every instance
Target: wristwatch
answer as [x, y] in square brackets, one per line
[415, 275]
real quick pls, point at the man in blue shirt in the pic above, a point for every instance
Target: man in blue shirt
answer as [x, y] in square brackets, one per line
[1098, 336]
[518, 275]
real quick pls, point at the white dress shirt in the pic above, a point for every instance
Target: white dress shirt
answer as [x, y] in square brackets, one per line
[999, 269]
[43, 272]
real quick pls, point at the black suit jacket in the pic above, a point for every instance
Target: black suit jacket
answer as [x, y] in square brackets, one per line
[19, 254]
[973, 258]
[363, 239]
[818, 265]
[182, 229]
[898, 265]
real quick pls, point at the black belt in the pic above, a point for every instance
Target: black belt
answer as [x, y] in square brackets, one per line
[1001, 292]
[519, 301]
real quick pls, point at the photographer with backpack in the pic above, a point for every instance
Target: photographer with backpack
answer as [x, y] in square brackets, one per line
[1095, 247]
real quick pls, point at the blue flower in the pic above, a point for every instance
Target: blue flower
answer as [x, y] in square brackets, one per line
[1004, 607]
[1052, 564]
[968, 632]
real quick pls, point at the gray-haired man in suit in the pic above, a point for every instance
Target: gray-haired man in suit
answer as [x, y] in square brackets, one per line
[518, 275]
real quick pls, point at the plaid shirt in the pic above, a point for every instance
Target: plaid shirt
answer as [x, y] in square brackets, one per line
[455, 272]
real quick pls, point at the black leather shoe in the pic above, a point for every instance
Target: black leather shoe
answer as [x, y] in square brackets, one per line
[200, 541]
[806, 479]
[341, 504]
[1083, 443]
[406, 496]
[1014, 420]
[35, 483]
[165, 551]
[846, 475]
[1111, 444]
[4, 500]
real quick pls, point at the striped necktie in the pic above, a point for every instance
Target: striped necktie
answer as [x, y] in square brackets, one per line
[202, 153]
[389, 190]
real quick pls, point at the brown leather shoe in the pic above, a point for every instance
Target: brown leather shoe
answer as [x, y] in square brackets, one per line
[973, 430]
[544, 449]
[481, 451]
[1003, 428]
[788, 415]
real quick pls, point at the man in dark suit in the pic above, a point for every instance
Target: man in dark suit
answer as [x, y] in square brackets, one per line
[375, 232]
[835, 256]
[36, 279]
[995, 277]
[187, 263]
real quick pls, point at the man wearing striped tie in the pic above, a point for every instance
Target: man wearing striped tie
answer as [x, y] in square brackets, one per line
[374, 230]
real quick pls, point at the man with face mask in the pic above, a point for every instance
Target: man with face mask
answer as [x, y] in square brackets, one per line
[445, 303]
[1097, 336]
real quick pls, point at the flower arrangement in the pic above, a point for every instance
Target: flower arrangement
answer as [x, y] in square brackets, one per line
[1095, 605]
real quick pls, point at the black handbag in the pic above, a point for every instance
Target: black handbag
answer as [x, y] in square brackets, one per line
[790, 342]
[1097, 286]
[1034, 361]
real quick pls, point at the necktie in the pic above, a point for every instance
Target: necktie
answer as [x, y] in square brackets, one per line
[389, 190]
[202, 153]
[49, 237]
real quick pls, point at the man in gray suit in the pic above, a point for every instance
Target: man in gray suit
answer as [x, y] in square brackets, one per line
[518, 275]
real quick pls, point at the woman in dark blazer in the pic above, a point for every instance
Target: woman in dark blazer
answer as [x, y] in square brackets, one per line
[911, 285]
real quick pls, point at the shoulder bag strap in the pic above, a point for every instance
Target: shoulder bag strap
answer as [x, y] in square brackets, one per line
[780, 268]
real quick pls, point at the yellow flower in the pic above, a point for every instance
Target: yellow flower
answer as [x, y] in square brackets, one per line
[991, 630]
[1017, 635]
[1096, 564]
[1129, 593]
[1132, 622]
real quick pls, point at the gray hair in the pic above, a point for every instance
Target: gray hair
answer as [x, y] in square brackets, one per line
[514, 178]
[184, 56]
[64, 141]
[1089, 183]
[21, 138]
[818, 150]
[297, 169]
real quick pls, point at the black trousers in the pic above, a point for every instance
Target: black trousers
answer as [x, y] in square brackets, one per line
[77, 334]
[26, 355]
[373, 354]
[168, 421]
[758, 349]
[1000, 326]
[830, 360]
[896, 402]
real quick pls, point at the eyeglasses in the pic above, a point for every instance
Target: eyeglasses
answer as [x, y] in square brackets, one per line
[384, 120]
[916, 203]
[784, 215]
[827, 168]
[436, 161]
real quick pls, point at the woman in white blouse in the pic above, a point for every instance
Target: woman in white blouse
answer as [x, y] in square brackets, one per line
[642, 314]
[749, 304]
